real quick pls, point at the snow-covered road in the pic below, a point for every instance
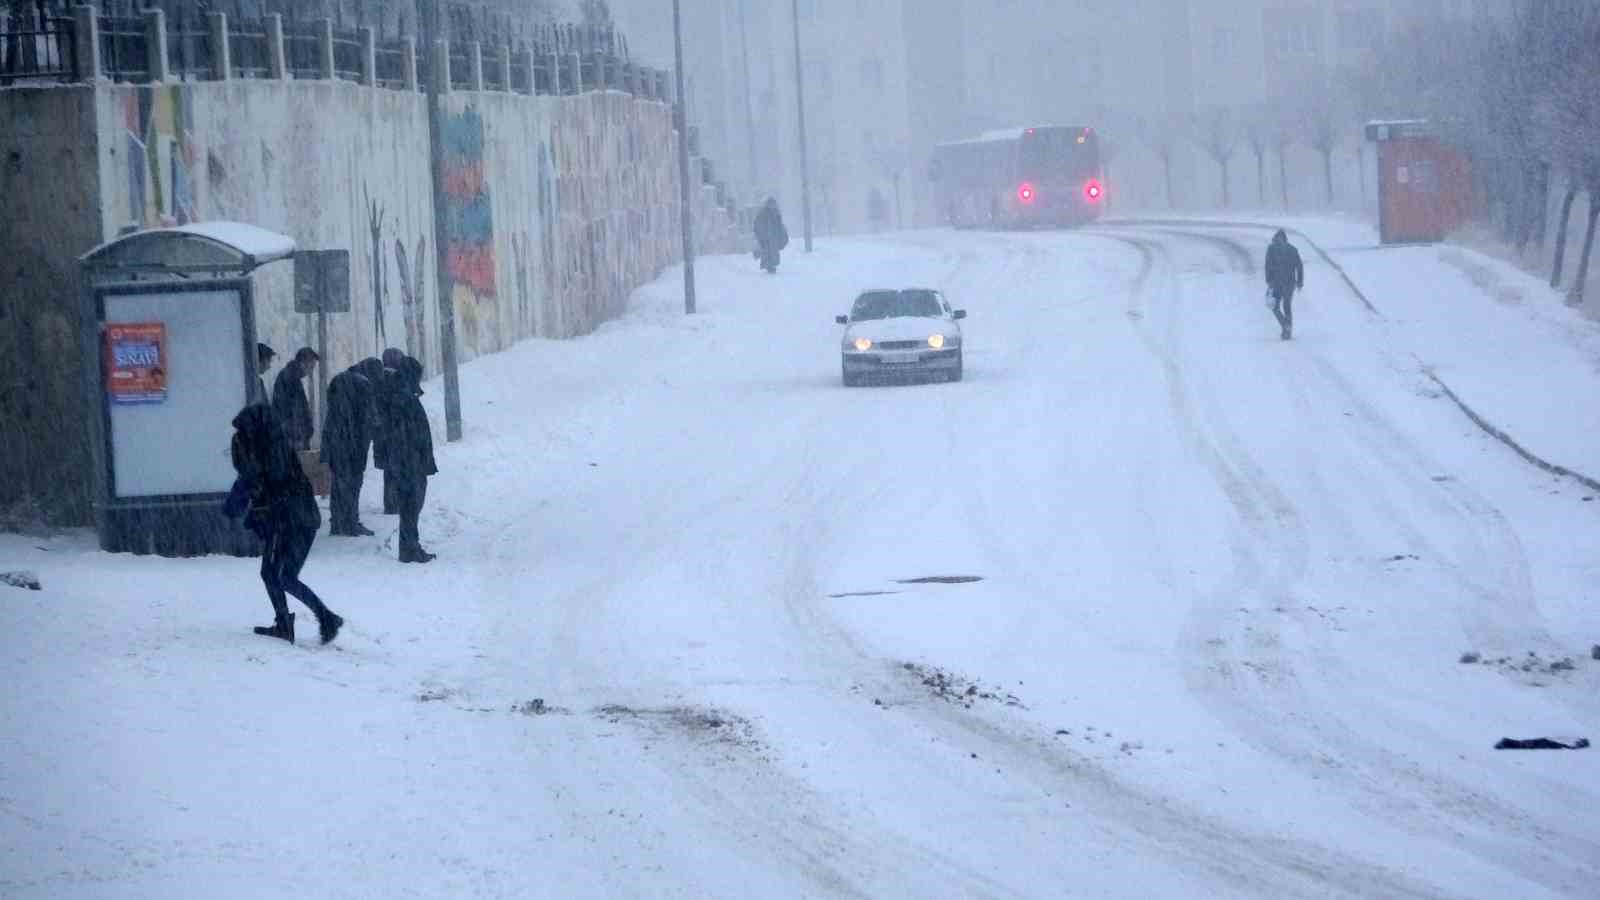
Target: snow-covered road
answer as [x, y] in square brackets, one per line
[1197, 602]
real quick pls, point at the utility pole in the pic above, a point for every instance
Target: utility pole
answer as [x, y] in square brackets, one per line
[749, 103]
[800, 101]
[681, 119]
[437, 62]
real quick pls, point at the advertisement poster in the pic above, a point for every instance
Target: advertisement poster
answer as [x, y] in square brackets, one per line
[136, 363]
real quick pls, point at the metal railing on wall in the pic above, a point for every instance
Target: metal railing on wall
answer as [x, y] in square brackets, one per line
[139, 41]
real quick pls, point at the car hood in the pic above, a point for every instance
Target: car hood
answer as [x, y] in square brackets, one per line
[905, 328]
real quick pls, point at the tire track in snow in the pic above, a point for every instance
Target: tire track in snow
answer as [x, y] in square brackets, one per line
[1355, 760]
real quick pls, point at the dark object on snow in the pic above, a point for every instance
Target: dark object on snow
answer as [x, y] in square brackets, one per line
[283, 512]
[409, 456]
[289, 399]
[771, 236]
[1469, 658]
[25, 580]
[347, 432]
[1542, 744]
[1286, 273]
[1595, 652]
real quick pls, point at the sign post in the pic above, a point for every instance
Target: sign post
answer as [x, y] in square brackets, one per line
[322, 286]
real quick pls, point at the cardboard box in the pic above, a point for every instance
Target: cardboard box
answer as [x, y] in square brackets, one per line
[321, 476]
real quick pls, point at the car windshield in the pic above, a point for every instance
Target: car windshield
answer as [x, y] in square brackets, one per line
[895, 304]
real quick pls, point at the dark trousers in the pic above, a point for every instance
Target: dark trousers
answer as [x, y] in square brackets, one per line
[1283, 307]
[391, 498]
[344, 504]
[410, 494]
[285, 555]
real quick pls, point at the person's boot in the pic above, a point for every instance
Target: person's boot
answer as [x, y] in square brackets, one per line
[328, 625]
[416, 555]
[282, 629]
[360, 530]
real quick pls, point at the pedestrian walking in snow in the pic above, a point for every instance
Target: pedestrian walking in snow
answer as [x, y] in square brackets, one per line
[409, 460]
[386, 386]
[771, 235]
[1285, 275]
[258, 388]
[289, 399]
[346, 437]
[282, 510]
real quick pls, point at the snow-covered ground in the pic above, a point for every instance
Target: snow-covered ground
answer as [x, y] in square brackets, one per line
[672, 646]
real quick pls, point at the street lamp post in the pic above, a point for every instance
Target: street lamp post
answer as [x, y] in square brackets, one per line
[681, 119]
[447, 305]
[800, 102]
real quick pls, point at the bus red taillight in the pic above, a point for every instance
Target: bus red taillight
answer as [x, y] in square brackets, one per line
[1025, 192]
[1093, 191]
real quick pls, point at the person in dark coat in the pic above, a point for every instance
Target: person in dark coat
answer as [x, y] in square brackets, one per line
[289, 399]
[1285, 274]
[346, 436]
[771, 236]
[392, 358]
[282, 511]
[410, 457]
[264, 357]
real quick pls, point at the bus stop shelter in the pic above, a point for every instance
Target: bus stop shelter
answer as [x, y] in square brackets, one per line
[169, 342]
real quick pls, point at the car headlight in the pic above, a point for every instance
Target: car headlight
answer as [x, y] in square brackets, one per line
[936, 341]
[862, 344]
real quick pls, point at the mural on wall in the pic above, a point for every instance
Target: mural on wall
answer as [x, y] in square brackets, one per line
[161, 156]
[380, 280]
[411, 305]
[469, 225]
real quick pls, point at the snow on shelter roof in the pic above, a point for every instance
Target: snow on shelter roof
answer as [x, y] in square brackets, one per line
[1013, 134]
[205, 245]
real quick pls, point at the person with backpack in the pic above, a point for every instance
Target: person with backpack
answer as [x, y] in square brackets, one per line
[279, 506]
[1285, 275]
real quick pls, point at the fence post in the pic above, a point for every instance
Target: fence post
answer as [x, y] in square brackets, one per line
[553, 60]
[533, 75]
[155, 44]
[277, 62]
[663, 86]
[325, 44]
[86, 36]
[504, 65]
[369, 56]
[441, 66]
[408, 62]
[475, 66]
[575, 73]
[221, 55]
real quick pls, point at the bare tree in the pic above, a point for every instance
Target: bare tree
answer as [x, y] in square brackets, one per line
[1163, 135]
[1216, 130]
[1322, 118]
[1258, 136]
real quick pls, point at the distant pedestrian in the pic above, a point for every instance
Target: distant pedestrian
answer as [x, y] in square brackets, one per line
[1285, 274]
[409, 460]
[347, 430]
[258, 388]
[387, 382]
[282, 511]
[771, 235]
[289, 399]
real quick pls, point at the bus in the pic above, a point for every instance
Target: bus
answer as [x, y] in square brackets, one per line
[1020, 177]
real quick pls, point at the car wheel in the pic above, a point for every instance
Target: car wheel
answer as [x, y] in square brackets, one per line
[955, 374]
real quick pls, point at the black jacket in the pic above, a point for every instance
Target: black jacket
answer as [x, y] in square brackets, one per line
[347, 428]
[770, 233]
[409, 451]
[280, 494]
[1284, 269]
[291, 406]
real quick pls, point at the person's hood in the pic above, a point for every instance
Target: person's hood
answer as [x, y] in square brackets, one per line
[370, 368]
[1282, 237]
[253, 420]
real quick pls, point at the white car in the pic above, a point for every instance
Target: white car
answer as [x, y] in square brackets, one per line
[901, 332]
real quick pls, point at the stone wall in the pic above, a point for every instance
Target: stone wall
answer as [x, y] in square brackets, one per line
[556, 208]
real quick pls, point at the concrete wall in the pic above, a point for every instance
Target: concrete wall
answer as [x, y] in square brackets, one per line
[49, 211]
[557, 207]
